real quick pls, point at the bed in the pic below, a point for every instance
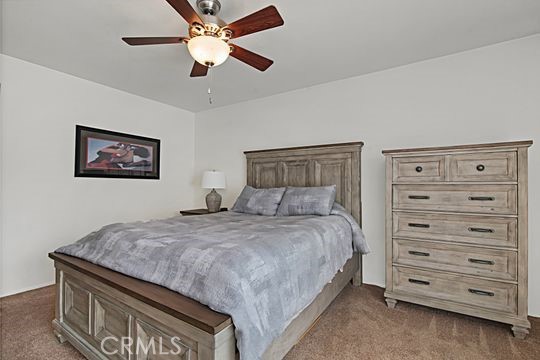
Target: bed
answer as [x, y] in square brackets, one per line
[94, 302]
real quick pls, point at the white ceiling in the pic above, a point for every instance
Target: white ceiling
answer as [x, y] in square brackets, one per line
[321, 41]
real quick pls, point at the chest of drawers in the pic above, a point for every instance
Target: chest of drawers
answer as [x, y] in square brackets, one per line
[456, 230]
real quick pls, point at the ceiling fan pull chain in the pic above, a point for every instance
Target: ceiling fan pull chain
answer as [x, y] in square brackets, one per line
[210, 77]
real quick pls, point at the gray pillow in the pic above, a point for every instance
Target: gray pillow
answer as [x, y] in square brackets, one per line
[258, 201]
[307, 201]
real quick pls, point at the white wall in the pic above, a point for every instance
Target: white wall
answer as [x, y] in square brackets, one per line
[44, 205]
[485, 95]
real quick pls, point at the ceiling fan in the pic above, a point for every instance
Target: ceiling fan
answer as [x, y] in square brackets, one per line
[209, 36]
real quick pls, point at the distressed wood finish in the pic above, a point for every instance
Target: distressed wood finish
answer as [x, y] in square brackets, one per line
[418, 169]
[487, 199]
[111, 310]
[494, 166]
[456, 230]
[510, 145]
[469, 260]
[167, 301]
[94, 303]
[493, 295]
[474, 230]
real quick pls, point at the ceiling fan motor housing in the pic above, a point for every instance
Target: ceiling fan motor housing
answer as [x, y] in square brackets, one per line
[209, 7]
[213, 25]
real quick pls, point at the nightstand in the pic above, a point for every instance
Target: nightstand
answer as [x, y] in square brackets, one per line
[199, 212]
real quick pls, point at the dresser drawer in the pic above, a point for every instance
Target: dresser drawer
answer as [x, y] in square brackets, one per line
[495, 166]
[482, 230]
[496, 264]
[488, 199]
[459, 289]
[418, 169]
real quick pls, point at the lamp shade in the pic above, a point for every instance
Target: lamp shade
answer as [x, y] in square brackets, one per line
[213, 180]
[208, 50]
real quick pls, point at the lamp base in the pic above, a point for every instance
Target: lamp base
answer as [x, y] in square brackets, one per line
[213, 201]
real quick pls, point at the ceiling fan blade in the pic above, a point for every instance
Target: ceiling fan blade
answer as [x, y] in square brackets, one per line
[152, 40]
[264, 19]
[257, 61]
[199, 70]
[186, 11]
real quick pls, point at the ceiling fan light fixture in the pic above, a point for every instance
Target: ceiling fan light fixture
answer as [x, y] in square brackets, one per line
[208, 50]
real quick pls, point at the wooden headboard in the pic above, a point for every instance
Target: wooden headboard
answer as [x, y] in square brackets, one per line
[332, 164]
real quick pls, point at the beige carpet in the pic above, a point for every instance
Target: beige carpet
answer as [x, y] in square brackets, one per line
[356, 326]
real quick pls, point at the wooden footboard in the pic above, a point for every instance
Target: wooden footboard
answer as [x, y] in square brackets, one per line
[104, 322]
[107, 315]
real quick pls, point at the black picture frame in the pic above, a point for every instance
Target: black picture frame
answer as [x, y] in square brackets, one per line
[120, 155]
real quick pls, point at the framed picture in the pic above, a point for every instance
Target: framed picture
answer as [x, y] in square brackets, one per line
[103, 153]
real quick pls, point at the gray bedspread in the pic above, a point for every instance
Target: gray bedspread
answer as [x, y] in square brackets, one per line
[261, 270]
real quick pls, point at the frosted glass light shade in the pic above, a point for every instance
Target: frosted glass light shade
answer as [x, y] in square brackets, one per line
[213, 180]
[208, 50]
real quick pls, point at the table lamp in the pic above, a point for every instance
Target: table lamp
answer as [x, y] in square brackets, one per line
[213, 180]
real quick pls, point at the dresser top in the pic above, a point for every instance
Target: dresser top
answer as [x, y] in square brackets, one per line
[512, 144]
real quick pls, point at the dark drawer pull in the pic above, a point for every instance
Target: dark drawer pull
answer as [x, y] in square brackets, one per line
[480, 167]
[482, 262]
[418, 197]
[419, 169]
[481, 198]
[480, 230]
[424, 226]
[418, 253]
[481, 292]
[419, 282]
